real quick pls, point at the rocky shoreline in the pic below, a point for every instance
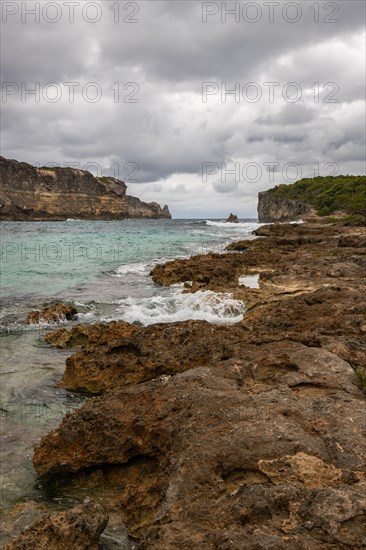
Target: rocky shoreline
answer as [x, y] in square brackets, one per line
[221, 437]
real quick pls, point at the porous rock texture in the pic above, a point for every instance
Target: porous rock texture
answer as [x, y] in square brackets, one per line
[75, 529]
[52, 314]
[229, 437]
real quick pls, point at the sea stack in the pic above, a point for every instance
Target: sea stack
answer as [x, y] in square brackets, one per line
[233, 218]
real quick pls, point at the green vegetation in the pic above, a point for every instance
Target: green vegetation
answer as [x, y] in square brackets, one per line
[361, 376]
[353, 219]
[328, 194]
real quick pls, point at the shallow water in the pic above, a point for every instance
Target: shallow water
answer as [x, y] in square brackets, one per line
[103, 268]
[31, 405]
[250, 281]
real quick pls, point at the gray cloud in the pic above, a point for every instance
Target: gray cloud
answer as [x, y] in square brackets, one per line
[170, 132]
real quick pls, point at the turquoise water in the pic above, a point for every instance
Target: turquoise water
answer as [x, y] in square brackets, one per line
[103, 268]
[97, 264]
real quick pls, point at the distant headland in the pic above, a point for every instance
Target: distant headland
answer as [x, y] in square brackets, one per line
[28, 193]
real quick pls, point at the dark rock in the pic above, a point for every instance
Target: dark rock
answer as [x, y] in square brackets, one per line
[278, 209]
[352, 241]
[233, 218]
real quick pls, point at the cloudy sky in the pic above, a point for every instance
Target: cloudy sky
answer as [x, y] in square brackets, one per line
[199, 105]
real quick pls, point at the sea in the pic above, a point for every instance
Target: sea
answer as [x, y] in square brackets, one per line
[103, 268]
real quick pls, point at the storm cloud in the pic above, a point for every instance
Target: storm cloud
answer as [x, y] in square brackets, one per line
[199, 105]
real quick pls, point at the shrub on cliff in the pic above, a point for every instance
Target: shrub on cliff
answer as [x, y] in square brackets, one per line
[328, 194]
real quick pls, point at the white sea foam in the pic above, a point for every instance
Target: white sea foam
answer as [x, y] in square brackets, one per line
[89, 317]
[249, 226]
[17, 327]
[203, 305]
[138, 268]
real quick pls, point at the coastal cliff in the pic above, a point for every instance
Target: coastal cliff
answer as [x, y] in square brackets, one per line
[28, 193]
[277, 209]
[314, 197]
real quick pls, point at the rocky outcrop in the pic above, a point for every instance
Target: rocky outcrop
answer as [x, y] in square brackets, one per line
[278, 209]
[233, 218]
[29, 193]
[225, 437]
[262, 451]
[76, 529]
[52, 314]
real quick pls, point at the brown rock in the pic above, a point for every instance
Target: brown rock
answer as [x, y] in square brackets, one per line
[352, 241]
[29, 193]
[131, 356]
[309, 470]
[83, 335]
[52, 314]
[21, 516]
[76, 529]
[213, 439]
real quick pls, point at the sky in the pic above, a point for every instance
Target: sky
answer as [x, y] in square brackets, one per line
[198, 105]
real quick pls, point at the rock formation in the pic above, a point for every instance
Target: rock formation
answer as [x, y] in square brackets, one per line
[230, 437]
[28, 193]
[279, 209]
[76, 529]
[337, 196]
[52, 314]
[233, 218]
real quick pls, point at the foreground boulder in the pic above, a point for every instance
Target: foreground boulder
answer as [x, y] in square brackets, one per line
[52, 314]
[257, 453]
[76, 529]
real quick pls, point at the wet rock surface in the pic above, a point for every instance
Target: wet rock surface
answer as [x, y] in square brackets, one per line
[75, 529]
[229, 437]
[52, 314]
[97, 334]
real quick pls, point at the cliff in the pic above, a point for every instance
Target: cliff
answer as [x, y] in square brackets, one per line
[277, 209]
[322, 196]
[30, 194]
